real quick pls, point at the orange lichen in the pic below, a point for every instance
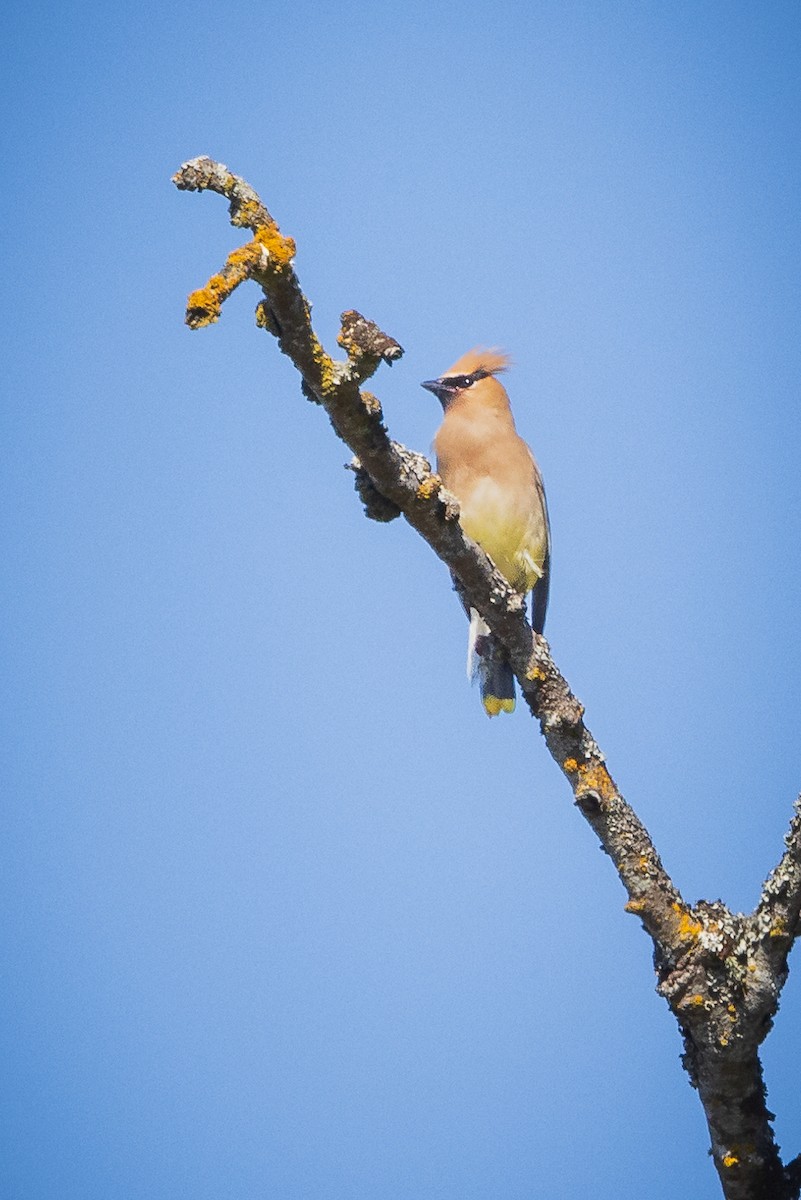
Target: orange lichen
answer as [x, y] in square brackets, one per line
[265, 319]
[203, 306]
[634, 906]
[688, 928]
[242, 260]
[592, 777]
[280, 249]
[324, 364]
[736, 1153]
[696, 1000]
[248, 213]
[429, 487]
[537, 673]
[596, 779]
[643, 864]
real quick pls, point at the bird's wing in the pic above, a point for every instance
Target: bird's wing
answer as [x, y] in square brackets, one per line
[539, 597]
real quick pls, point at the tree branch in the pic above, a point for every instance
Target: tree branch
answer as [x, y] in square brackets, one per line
[721, 973]
[777, 914]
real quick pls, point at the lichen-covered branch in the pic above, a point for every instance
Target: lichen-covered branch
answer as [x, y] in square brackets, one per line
[777, 914]
[721, 973]
[724, 994]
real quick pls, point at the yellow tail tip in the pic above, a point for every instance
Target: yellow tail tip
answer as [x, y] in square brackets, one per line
[496, 704]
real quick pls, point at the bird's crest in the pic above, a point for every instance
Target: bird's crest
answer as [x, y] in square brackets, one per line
[493, 361]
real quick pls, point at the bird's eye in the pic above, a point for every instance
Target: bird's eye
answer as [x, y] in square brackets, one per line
[458, 383]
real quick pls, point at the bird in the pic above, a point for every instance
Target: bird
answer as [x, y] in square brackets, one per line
[486, 465]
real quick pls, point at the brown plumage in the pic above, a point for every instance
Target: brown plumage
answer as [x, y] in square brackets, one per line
[492, 473]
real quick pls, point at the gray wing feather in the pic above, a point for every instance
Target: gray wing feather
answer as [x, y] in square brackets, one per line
[539, 597]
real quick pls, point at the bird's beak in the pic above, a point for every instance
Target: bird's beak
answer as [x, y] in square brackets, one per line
[441, 390]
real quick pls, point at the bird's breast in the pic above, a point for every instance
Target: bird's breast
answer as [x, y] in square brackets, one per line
[511, 529]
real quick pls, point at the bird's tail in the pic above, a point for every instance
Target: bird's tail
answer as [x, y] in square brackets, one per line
[486, 662]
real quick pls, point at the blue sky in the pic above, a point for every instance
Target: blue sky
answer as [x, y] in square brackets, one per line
[285, 915]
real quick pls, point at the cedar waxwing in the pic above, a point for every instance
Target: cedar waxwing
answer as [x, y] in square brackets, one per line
[492, 473]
